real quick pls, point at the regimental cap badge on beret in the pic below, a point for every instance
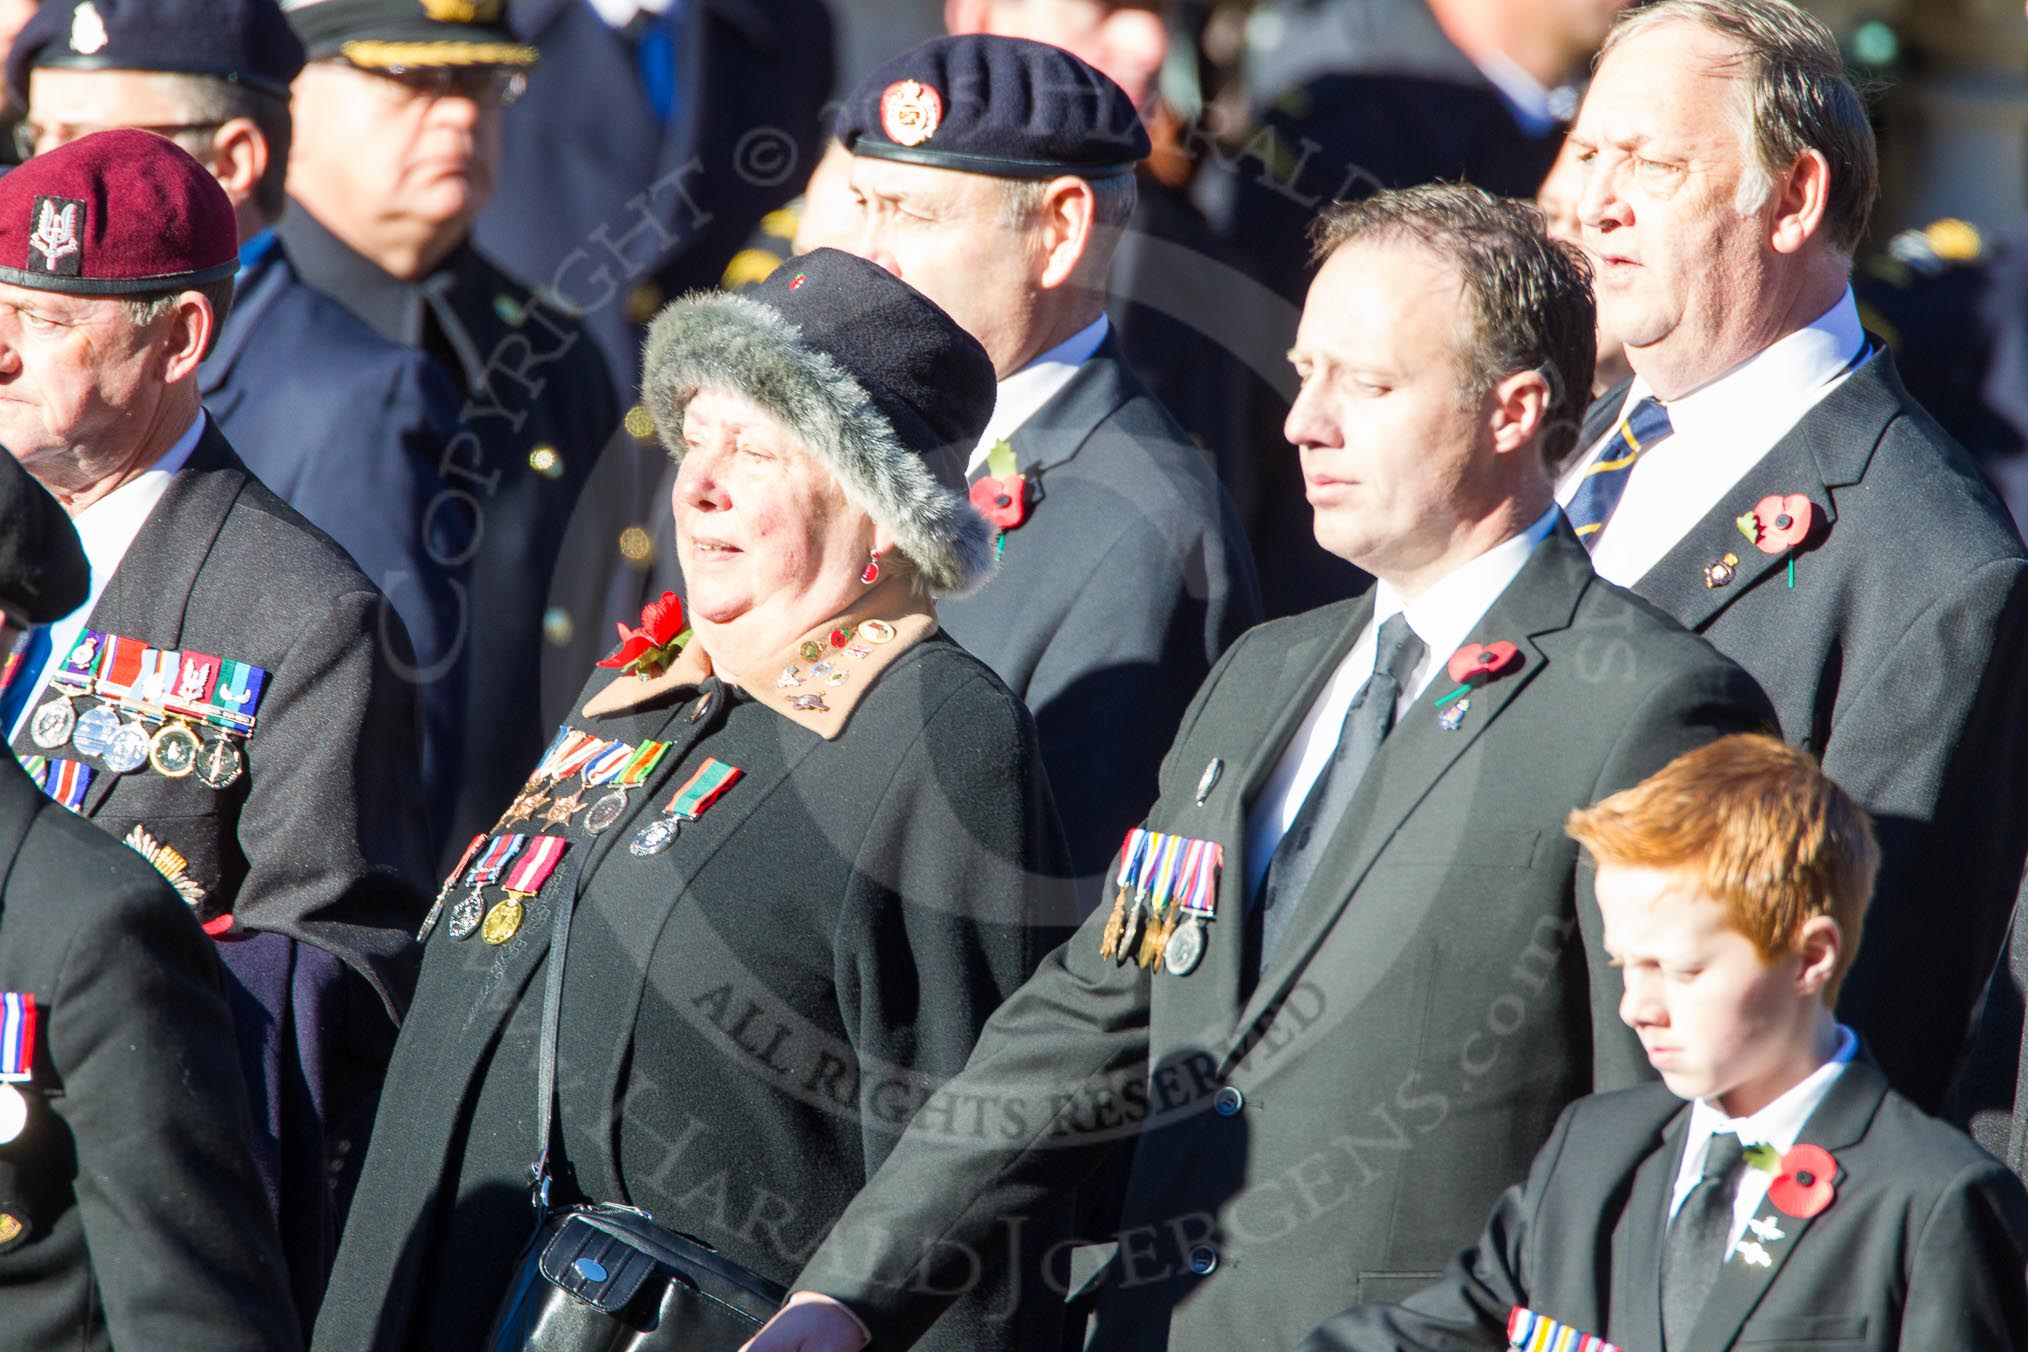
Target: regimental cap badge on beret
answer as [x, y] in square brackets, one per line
[55, 240]
[88, 34]
[910, 112]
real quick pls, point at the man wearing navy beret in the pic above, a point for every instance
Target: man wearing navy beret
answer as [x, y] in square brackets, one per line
[228, 699]
[130, 1209]
[994, 175]
[350, 428]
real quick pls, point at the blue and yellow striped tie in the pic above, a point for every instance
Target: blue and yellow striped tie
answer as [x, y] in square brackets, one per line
[1646, 423]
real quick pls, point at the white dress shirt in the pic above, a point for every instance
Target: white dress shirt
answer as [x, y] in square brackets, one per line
[107, 529]
[1777, 1125]
[620, 13]
[1034, 385]
[1718, 433]
[1441, 617]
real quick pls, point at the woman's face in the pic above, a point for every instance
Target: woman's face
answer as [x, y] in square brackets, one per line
[764, 535]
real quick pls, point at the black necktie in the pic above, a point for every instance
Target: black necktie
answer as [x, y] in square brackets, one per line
[1697, 1240]
[1396, 655]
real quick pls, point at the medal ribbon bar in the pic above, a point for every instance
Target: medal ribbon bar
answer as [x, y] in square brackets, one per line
[17, 1037]
[535, 867]
[703, 789]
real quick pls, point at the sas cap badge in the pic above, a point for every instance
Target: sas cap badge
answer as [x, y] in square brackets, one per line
[56, 235]
[910, 112]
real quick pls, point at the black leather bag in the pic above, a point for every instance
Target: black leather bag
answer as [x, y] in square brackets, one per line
[606, 1278]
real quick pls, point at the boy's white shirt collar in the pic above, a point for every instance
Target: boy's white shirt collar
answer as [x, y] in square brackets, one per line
[1779, 1124]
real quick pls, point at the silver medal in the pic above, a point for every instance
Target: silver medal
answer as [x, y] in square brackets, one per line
[606, 811]
[466, 915]
[129, 749]
[1185, 948]
[13, 1113]
[655, 837]
[95, 730]
[53, 722]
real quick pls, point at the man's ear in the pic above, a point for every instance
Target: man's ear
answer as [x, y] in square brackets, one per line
[1520, 410]
[1801, 199]
[239, 158]
[1819, 946]
[187, 336]
[1065, 220]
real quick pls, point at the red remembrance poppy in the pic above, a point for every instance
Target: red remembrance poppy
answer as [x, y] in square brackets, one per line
[661, 622]
[1476, 663]
[1803, 1187]
[1780, 523]
[1004, 502]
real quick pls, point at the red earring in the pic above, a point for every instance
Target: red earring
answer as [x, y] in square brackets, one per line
[870, 574]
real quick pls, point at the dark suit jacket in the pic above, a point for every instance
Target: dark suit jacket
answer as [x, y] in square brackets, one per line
[142, 1219]
[1437, 999]
[1113, 599]
[1899, 659]
[350, 429]
[749, 1018]
[319, 851]
[617, 211]
[532, 382]
[1923, 1245]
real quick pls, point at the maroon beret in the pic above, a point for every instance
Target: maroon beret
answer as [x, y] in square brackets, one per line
[115, 213]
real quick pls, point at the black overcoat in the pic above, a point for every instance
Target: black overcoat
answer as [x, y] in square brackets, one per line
[1438, 997]
[1113, 598]
[1899, 658]
[140, 1215]
[1923, 1243]
[749, 1017]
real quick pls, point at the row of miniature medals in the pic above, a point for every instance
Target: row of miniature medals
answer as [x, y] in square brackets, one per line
[139, 686]
[526, 864]
[1173, 885]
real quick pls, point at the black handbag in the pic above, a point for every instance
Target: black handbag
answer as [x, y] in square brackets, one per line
[605, 1277]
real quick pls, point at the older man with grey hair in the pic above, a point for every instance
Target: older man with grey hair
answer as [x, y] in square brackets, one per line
[1764, 478]
[995, 175]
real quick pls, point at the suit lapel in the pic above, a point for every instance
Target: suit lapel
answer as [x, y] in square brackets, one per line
[1828, 448]
[1057, 431]
[1308, 666]
[148, 595]
[1839, 1121]
[1415, 755]
[1635, 1311]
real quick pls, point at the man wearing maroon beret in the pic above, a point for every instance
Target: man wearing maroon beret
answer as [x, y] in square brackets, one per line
[224, 701]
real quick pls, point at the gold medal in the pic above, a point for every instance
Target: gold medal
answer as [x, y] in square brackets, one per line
[502, 923]
[562, 810]
[1116, 926]
[173, 752]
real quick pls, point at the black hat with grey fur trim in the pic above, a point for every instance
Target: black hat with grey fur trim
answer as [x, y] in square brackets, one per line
[880, 384]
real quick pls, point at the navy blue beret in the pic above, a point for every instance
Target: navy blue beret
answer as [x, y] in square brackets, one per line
[992, 105]
[245, 41]
[43, 573]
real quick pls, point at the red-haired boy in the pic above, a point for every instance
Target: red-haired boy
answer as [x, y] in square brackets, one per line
[1795, 1201]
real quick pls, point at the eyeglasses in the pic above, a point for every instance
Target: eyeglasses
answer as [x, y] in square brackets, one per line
[31, 138]
[487, 86]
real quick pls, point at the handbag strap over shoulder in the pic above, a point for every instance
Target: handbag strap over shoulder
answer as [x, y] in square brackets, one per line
[552, 1015]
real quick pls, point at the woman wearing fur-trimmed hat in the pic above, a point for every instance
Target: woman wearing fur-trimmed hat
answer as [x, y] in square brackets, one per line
[809, 838]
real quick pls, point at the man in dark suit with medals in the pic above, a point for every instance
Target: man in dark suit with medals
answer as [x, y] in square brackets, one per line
[225, 702]
[350, 428]
[1766, 480]
[995, 174]
[397, 145]
[1352, 972]
[130, 1210]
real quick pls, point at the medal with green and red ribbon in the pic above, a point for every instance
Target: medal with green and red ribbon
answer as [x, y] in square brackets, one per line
[698, 793]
